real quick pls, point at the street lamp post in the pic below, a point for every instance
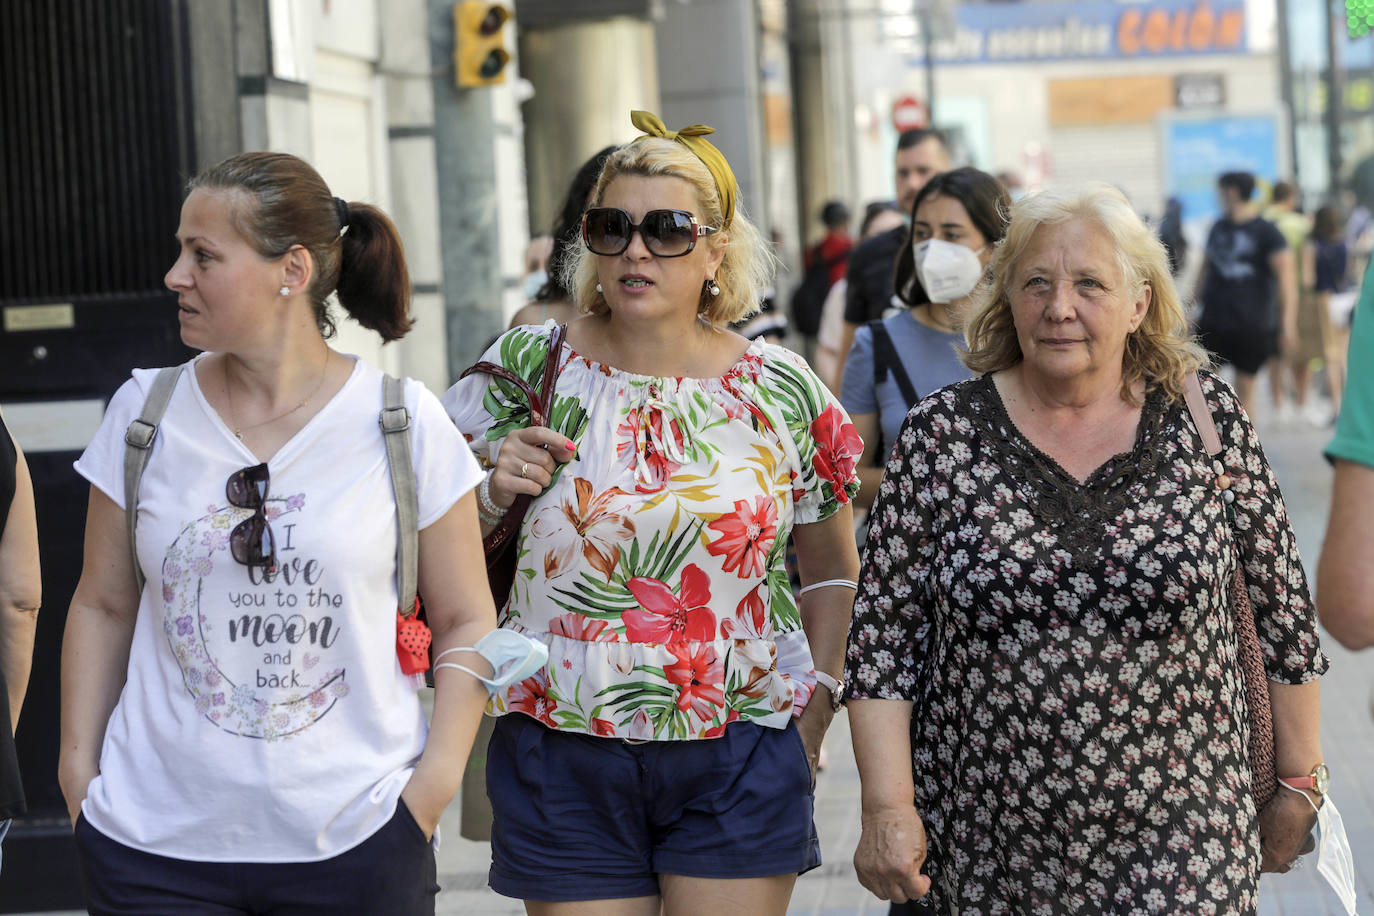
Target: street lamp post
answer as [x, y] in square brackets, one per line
[1335, 98]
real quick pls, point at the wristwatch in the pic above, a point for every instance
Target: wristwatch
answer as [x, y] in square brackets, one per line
[1319, 780]
[836, 688]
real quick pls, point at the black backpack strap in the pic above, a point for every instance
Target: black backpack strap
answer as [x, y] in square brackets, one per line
[138, 444]
[886, 360]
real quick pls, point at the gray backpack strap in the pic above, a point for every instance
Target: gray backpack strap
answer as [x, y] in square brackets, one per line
[138, 444]
[395, 423]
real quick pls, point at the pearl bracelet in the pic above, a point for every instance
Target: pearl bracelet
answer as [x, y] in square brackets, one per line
[488, 511]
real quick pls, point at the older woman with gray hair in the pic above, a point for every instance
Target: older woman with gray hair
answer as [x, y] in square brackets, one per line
[1047, 707]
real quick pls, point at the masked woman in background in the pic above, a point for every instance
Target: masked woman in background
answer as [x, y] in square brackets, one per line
[552, 301]
[956, 220]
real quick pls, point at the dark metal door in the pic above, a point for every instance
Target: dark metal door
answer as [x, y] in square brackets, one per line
[95, 146]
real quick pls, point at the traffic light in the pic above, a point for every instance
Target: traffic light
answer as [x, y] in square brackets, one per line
[1359, 17]
[479, 52]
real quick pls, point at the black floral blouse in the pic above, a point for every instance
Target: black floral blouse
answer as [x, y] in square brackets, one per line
[1079, 722]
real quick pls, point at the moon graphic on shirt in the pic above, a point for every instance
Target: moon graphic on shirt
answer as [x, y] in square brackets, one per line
[269, 703]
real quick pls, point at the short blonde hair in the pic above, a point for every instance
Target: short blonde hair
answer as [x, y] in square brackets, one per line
[748, 264]
[1161, 352]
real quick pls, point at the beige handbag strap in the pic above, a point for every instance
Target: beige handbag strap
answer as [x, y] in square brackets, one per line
[138, 444]
[1250, 654]
[1202, 417]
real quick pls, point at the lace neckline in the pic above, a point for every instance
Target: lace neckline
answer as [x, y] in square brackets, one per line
[1075, 510]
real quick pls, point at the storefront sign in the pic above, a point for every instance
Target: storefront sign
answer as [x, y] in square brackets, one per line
[39, 317]
[1197, 150]
[991, 33]
[1199, 90]
[1108, 100]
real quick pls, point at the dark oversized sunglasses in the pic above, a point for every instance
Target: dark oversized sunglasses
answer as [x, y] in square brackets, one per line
[666, 233]
[252, 542]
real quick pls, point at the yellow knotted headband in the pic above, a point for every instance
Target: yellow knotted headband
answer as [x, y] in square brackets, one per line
[694, 138]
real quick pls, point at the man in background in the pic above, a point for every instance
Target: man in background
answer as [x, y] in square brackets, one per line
[824, 265]
[921, 154]
[1247, 287]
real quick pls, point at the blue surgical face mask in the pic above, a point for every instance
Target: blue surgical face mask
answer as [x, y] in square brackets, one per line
[534, 282]
[512, 656]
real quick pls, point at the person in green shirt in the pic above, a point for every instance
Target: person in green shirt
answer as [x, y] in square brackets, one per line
[1345, 575]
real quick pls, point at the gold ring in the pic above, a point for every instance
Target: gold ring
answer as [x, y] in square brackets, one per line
[523, 468]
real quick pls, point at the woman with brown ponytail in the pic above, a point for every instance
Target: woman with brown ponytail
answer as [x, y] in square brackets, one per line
[238, 733]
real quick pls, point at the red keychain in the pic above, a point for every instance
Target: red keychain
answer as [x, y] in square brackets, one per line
[412, 642]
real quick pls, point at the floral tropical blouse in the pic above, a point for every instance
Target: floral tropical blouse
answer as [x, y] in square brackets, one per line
[1079, 725]
[653, 565]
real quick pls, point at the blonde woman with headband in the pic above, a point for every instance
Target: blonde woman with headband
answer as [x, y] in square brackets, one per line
[665, 756]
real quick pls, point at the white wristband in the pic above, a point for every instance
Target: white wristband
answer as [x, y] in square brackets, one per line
[1302, 793]
[845, 583]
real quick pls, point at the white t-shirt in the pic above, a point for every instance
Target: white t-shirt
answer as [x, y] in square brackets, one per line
[266, 721]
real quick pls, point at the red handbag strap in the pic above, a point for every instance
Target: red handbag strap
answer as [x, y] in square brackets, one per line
[493, 545]
[501, 372]
[552, 368]
[540, 402]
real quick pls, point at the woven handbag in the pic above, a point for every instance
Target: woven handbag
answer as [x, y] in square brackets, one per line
[1263, 777]
[499, 545]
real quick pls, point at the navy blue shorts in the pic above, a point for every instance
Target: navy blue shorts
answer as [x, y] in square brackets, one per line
[392, 872]
[586, 818]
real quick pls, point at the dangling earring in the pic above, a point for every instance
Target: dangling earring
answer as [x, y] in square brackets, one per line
[598, 287]
[286, 290]
[712, 288]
